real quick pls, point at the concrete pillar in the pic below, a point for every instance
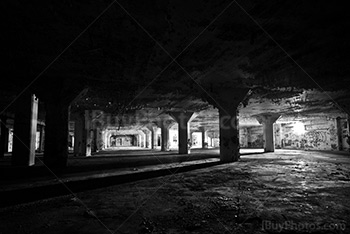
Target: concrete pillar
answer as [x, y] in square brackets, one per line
[107, 139]
[103, 139]
[165, 126]
[267, 120]
[42, 138]
[60, 90]
[4, 135]
[227, 101]
[183, 120]
[278, 136]
[205, 143]
[94, 147]
[147, 138]
[209, 141]
[79, 135]
[56, 134]
[154, 137]
[210, 138]
[89, 133]
[99, 141]
[229, 136]
[140, 139]
[143, 139]
[24, 135]
[190, 136]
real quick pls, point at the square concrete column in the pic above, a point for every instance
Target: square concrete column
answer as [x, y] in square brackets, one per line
[89, 133]
[94, 144]
[24, 135]
[278, 135]
[42, 138]
[229, 136]
[267, 120]
[143, 139]
[147, 140]
[103, 139]
[139, 140]
[165, 126]
[4, 136]
[209, 141]
[148, 145]
[204, 137]
[153, 131]
[99, 139]
[79, 134]
[190, 137]
[60, 90]
[56, 134]
[183, 119]
[153, 138]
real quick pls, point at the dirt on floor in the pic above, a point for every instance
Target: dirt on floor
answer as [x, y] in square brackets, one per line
[285, 192]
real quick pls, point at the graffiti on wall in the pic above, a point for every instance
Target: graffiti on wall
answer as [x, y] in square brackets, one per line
[318, 135]
[258, 141]
[314, 138]
[312, 133]
[243, 137]
[255, 137]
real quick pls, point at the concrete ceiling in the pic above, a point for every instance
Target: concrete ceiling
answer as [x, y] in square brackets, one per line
[293, 55]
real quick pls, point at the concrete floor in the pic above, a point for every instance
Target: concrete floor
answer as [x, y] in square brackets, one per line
[112, 162]
[288, 191]
[126, 157]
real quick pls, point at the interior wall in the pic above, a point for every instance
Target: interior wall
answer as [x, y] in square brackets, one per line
[345, 138]
[309, 133]
[122, 140]
[318, 134]
[254, 137]
[173, 138]
[214, 139]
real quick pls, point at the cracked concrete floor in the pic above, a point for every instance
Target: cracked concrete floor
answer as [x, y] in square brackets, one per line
[288, 191]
